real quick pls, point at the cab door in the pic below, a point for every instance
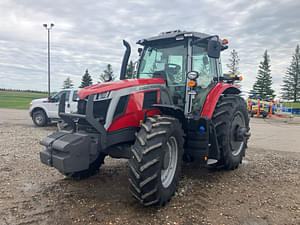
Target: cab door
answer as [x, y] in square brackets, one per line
[208, 73]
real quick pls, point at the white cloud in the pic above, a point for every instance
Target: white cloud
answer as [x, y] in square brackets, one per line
[88, 34]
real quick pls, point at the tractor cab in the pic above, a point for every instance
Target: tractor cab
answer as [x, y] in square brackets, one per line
[187, 64]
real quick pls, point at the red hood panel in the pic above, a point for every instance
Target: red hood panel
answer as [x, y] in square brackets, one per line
[116, 85]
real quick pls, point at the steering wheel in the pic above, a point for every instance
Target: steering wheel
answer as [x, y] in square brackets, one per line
[171, 70]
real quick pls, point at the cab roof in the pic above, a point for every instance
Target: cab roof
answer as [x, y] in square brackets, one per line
[173, 34]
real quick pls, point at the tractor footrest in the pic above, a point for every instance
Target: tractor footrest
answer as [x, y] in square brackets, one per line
[201, 143]
[198, 154]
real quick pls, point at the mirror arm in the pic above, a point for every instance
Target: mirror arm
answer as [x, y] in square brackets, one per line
[224, 47]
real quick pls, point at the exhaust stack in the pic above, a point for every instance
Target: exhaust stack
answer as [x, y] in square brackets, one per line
[125, 60]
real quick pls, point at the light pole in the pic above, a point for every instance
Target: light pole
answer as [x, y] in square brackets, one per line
[48, 28]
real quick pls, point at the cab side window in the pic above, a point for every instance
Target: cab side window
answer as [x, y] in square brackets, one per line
[75, 96]
[56, 98]
[204, 65]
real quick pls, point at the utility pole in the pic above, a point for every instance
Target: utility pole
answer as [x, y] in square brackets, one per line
[48, 28]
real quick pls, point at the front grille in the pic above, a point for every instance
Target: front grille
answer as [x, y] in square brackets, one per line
[99, 111]
[122, 106]
[150, 98]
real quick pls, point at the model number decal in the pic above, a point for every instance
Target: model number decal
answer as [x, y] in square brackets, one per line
[143, 88]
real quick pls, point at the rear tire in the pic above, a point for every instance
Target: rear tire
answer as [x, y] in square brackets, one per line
[155, 161]
[229, 116]
[92, 170]
[40, 118]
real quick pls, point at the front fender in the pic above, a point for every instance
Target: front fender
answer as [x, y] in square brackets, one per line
[173, 111]
[214, 95]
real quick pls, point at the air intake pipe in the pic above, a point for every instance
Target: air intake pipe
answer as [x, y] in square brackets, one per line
[125, 60]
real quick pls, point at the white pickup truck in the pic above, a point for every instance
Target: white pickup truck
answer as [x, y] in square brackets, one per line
[44, 111]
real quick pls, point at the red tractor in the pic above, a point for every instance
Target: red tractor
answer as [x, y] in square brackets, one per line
[180, 106]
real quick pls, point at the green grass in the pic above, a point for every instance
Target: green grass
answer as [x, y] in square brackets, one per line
[292, 105]
[18, 100]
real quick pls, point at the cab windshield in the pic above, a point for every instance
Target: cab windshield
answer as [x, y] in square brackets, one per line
[167, 61]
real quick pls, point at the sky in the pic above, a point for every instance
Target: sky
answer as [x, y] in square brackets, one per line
[88, 35]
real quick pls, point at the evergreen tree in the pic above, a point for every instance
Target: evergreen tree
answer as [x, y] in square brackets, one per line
[291, 81]
[68, 83]
[233, 66]
[107, 72]
[263, 83]
[86, 79]
[130, 70]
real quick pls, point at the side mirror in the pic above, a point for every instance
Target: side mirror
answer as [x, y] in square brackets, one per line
[214, 49]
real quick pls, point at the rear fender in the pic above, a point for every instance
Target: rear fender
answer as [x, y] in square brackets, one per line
[214, 95]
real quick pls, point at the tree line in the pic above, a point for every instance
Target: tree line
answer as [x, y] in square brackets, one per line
[23, 90]
[87, 80]
[262, 87]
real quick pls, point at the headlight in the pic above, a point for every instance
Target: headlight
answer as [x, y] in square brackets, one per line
[193, 75]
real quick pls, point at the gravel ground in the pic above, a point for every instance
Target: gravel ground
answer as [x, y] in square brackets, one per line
[264, 190]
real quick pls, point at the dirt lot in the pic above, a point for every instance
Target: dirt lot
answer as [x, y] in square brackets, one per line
[264, 190]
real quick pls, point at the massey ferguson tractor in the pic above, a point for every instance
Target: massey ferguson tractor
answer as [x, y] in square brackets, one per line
[179, 107]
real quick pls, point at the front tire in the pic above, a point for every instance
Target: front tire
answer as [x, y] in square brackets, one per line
[155, 161]
[232, 127]
[40, 118]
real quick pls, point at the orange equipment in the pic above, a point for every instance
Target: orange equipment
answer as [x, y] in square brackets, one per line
[259, 107]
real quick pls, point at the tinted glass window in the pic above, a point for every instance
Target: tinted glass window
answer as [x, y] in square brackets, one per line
[75, 96]
[57, 97]
[169, 58]
[167, 61]
[204, 65]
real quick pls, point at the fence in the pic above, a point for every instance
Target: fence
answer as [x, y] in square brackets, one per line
[291, 110]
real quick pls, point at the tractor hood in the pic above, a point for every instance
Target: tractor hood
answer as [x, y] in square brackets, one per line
[116, 85]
